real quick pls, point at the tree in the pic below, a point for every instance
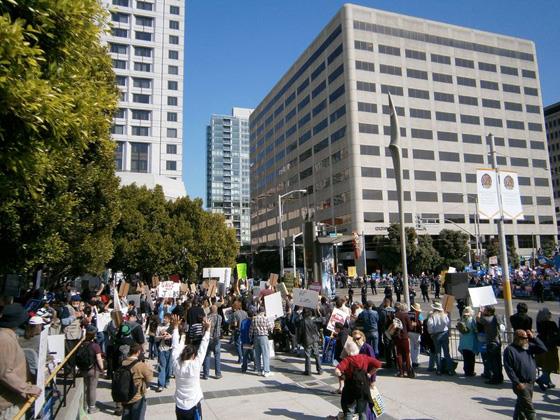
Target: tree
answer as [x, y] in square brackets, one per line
[453, 247]
[389, 248]
[513, 257]
[426, 257]
[58, 190]
[493, 248]
[548, 247]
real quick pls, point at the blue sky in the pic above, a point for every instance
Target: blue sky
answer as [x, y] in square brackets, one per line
[236, 50]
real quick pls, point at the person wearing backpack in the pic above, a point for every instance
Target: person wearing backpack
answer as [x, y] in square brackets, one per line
[246, 341]
[354, 370]
[438, 327]
[89, 359]
[130, 383]
[468, 343]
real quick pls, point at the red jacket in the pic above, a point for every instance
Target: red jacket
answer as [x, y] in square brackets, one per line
[360, 361]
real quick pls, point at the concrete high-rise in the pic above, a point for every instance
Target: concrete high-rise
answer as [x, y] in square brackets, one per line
[146, 43]
[552, 123]
[324, 127]
[227, 170]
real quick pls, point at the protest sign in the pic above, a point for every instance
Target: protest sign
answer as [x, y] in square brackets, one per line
[116, 301]
[338, 315]
[447, 303]
[41, 363]
[316, 287]
[168, 289]
[227, 313]
[273, 305]
[262, 285]
[192, 287]
[184, 288]
[103, 320]
[242, 270]
[305, 298]
[56, 347]
[123, 289]
[282, 289]
[482, 296]
[351, 271]
[273, 279]
[135, 299]
[212, 288]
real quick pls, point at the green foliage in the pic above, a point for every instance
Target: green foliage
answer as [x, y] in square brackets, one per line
[58, 191]
[493, 249]
[426, 257]
[156, 236]
[453, 247]
[548, 248]
[389, 248]
[513, 257]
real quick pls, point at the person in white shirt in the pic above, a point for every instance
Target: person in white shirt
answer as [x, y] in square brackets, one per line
[187, 364]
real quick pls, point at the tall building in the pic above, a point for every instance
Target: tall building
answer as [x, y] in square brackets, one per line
[552, 123]
[227, 172]
[146, 42]
[324, 127]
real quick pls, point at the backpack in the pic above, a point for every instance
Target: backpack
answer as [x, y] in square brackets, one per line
[358, 386]
[123, 388]
[85, 358]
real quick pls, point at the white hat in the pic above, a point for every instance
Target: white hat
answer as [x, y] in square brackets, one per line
[36, 320]
[437, 306]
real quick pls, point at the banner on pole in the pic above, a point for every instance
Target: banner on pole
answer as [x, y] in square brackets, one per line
[487, 189]
[511, 198]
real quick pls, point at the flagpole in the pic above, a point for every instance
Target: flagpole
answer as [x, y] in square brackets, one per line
[395, 149]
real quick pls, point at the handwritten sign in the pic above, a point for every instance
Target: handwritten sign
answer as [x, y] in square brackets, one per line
[338, 315]
[273, 305]
[447, 303]
[351, 271]
[168, 289]
[482, 296]
[305, 298]
[123, 289]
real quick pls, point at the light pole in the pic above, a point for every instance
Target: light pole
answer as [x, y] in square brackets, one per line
[280, 233]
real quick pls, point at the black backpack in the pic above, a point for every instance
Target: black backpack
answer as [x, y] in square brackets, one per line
[85, 358]
[359, 385]
[123, 388]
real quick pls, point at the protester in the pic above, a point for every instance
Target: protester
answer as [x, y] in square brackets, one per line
[417, 319]
[424, 286]
[163, 337]
[237, 318]
[310, 337]
[468, 343]
[89, 360]
[14, 386]
[135, 408]
[401, 342]
[550, 336]
[521, 320]
[438, 327]
[187, 364]
[260, 328]
[353, 370]
[246, 342]
[369, 319]
[71, 320]
[153, 323]
[30, 341]
[214, 344]
[341, 334]
[521, 369]
[486, 318]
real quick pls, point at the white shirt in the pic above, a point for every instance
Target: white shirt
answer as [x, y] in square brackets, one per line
[188, 392]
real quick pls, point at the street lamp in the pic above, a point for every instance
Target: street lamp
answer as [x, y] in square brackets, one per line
[280, 238]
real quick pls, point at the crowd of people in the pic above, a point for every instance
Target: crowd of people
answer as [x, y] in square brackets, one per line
[184, 337]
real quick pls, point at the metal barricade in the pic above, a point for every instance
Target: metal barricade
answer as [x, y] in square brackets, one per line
[68, 379]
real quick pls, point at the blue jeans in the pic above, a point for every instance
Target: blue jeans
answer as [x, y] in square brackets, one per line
[372, 338]
[238, 345]
[153, 347]
[100, 337]
[441, 342]
[136, 411]
[213, 347]
[262, 349]
[249, 354]
[164, 360]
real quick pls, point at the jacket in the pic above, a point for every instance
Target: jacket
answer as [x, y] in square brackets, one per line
[369, 319]
[469, 340]
[519, 364]
[141, 375]
[308, 332]
[71, 325]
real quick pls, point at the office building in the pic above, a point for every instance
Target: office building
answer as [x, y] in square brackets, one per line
[324, 127]
[146, 42]
[552, 124]
[227, 170]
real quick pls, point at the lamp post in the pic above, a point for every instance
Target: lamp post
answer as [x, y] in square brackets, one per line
[280, 233]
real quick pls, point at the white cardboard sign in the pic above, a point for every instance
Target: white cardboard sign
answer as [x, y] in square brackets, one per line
[338, 315]
[482, 296]
[169, 289]
[103, 320]
[305, 298]
[56, 347]
[273, 305]
[41, 364]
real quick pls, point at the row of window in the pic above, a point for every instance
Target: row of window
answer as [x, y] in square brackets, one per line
[142, 35]
[140, 51]
[147, 21]
[144, 5]
[423, 154]
[139, 156]
[444, 78]
[443, 59]
[140, 131]
[143, 67]
[524, 241]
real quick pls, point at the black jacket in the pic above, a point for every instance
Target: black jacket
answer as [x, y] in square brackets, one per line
[308, 331]
[519, 364]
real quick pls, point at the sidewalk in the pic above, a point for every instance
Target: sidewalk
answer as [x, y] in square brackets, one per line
[290, 395]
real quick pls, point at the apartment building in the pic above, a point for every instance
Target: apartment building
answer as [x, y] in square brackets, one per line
[552, 124]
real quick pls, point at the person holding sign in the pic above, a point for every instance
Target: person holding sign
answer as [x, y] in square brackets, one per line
[487, 320]
[14, 389]
[260, 328]
[309, 336]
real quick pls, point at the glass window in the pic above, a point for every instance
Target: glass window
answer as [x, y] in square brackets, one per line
[117, 129]
[119, 17]
[472, 139]
[445, 116]
[493, 122]
[174, 39]
[142, 82]
[144, 21]
[417, 55]
[173, 70]
[529, 74]
[393, 90]
[517, 125]
[442, 59]
[121, 80]
[147, 67]
[172, 116]
[394, 70]
[364, 65]
[513, 106]
[121, 113]
[172, 85]
[140, 114]
[120, 32]
[139, 157]
[431, 197]
[423, 154]
[511, 88]
[512, 71]
[470, 119]
[418, 93]
[144, 5]
[118, 48]
[468, 100]
[123, 3]
[174, 10]
[420, 113]
[174, 24]
[171, 149]
[444, 97]
[447, 136]
[463, 62]
[171, 165]
[374, 217]
[363, 45]
[365, 86]
[417, 133]
[119, 156]
[172, 100]
[143, 36]
[173, 55]
[386, 49]
[140, 131]
[140, 98]
[466, 81]
[417, 74]
[143, 51]
[442, 78]
[531, 91]
[172, 133]
[487, 67]
[491, 103]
